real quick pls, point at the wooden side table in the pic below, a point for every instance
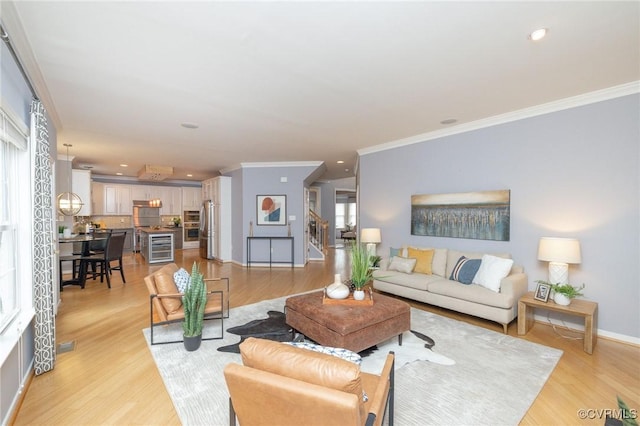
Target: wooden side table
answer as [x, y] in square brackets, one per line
[583, 308]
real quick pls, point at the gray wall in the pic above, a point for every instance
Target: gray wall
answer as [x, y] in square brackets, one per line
[247, 184]
[573, 173]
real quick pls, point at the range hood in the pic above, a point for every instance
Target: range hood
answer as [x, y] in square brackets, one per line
[155, 173]
[156, 203]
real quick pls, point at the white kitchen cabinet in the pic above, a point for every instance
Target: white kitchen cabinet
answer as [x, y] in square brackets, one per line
[209, 189]
[171, 197]
[81, 185]
[111, 199]
[191, 198]
[97, 198]
[117, 200]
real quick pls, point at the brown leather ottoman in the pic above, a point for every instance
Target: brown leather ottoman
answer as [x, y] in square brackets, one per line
[351, 327]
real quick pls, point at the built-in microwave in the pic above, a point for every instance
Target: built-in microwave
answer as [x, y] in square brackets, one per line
[192, 216]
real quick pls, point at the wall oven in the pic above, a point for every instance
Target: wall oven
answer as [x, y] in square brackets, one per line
[191, 231]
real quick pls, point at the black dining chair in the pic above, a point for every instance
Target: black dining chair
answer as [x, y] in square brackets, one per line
[101, 263]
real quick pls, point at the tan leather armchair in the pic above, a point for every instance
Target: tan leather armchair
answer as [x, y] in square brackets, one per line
[165, 301]
[279, 384]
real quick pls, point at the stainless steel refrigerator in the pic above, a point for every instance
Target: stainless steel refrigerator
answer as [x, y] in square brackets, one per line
[208, 233]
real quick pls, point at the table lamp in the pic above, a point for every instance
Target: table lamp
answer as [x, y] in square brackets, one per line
[559, 252]
[370, 236]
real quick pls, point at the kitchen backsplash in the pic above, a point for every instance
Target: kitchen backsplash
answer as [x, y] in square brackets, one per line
[113, 222]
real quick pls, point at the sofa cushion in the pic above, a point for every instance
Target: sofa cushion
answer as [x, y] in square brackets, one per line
[465, 270]
[454, 255]
[402, 264]
[492, 270]
[417, 281]
[439, 261]
[423, 259]
[471, 293]
[166, 285]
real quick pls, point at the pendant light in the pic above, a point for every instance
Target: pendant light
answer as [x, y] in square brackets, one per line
[69, 203]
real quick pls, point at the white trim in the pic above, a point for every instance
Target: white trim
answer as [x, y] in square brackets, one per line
[559, 105]
[272, 164]
[579, 327]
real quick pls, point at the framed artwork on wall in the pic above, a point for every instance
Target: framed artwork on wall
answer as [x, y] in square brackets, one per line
[483, 215]
[271, 210]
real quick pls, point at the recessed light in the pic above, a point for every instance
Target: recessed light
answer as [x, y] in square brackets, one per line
[340, 162]
[124, 165]
[449, 121]
[538, 34]
[118, 174]
[189, 175]
[188, 125]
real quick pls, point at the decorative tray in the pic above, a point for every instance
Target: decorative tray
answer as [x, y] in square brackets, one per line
[349, 301]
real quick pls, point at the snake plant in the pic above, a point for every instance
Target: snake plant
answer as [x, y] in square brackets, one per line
[194, 301]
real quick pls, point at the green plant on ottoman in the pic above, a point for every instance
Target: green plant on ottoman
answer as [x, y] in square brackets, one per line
[194, 301]
[360, 270]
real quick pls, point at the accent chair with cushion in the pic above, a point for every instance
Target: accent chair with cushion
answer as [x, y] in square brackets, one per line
[280, 384]
[165, 301]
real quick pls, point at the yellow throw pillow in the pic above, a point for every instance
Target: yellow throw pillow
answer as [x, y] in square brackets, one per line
[423, 259]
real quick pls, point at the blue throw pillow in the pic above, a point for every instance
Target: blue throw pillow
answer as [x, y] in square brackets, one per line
[394, 252]
[465, 270]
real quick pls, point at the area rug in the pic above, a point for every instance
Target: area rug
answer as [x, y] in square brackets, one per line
[463, 375]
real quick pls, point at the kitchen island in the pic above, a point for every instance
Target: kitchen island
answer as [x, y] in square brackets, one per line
[157, 244]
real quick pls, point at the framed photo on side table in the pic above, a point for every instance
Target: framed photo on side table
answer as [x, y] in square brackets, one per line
[542, 292]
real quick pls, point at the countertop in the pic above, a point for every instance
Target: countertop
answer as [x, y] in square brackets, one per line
[161, 230]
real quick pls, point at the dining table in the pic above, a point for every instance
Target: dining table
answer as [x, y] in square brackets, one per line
[85, 240]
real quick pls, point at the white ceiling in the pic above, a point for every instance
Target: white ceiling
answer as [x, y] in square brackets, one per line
[301, 81]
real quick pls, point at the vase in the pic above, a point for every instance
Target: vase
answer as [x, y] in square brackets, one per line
[561, 299]
[358, 294]
[337, 290]
[192, 343]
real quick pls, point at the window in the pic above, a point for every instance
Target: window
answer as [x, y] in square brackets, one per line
[13, 158]
[345, 215]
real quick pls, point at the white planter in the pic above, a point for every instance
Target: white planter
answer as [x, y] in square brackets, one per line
[561, 299]
[358, 294]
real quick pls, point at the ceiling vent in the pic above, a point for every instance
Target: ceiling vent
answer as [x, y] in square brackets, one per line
[155, 173]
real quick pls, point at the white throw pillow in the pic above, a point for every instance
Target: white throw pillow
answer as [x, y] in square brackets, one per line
[402, 264]
[492, 270]
[181, 278]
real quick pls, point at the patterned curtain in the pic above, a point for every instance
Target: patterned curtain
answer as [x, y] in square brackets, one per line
[43, 294]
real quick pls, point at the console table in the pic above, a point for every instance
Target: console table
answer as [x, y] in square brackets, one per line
[583, 308]
[271, 261]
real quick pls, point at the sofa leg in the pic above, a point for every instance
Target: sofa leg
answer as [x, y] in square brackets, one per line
[505, 327]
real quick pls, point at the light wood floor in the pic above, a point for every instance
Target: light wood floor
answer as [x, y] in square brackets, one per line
[110, 376]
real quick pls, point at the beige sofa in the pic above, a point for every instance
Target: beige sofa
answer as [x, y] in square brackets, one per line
[435, 288]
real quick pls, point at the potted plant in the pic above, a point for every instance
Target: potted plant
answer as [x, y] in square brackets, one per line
[563, 293]
[360, 270]
[176, 221]
[194, 301]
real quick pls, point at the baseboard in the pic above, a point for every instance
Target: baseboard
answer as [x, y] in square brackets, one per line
[609, 335]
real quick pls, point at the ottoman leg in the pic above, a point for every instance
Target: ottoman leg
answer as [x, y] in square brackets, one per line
[400, 339]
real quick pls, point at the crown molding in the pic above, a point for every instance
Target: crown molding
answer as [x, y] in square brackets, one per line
[555, 106]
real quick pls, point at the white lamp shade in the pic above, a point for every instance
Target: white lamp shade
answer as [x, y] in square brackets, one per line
[562, 250]
[370, 235]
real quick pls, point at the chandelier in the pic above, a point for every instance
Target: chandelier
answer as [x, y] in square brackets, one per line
[69, 203]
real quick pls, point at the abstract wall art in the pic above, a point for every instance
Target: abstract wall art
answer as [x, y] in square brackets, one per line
[480, 215]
